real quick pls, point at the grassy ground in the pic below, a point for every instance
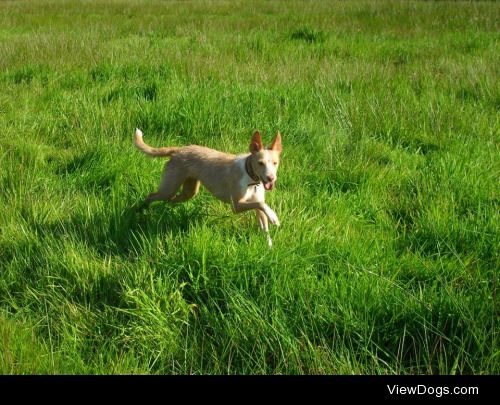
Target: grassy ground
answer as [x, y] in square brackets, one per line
[387, 257]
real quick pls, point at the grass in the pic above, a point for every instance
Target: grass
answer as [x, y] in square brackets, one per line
[387, 258]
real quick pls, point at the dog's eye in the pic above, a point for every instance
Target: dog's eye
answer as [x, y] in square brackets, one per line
[261, 163]
[275, 163]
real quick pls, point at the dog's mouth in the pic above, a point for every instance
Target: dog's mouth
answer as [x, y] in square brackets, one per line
[269, 185]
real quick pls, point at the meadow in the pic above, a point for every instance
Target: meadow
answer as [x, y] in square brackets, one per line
[386, 260]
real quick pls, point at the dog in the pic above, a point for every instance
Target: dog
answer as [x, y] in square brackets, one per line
[240, 180]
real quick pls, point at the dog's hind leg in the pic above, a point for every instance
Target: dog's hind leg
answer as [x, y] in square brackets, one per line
[171, 181]
[189, 189]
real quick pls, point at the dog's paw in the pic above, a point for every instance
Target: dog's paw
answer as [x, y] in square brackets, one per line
[273, 218]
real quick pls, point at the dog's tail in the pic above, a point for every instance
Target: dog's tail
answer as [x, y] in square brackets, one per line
[148, 150]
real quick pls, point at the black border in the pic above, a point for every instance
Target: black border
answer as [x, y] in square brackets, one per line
[234, 389]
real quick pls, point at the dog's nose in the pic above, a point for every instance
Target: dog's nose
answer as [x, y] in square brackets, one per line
[271, 178]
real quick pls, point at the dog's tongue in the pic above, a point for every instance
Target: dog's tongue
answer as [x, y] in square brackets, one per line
[269, 186]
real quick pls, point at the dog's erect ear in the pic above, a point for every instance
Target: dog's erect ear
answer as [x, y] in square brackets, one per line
[256, 142]
[276, 145]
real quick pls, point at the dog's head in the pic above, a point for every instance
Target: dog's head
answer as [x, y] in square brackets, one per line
[265, 162]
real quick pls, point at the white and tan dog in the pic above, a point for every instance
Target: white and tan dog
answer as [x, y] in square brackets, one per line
[239, 180]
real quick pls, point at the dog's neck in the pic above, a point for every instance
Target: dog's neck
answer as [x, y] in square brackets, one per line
[250, 171]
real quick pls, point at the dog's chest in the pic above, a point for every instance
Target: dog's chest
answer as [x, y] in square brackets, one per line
[254, 193]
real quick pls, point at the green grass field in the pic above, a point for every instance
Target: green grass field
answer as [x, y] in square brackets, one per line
[386, 261]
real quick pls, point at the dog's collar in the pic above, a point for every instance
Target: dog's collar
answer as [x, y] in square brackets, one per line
[250, 171]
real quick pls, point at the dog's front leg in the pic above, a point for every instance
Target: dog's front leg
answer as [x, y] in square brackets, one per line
[242, 206]
[271, 215]
[262, 219]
